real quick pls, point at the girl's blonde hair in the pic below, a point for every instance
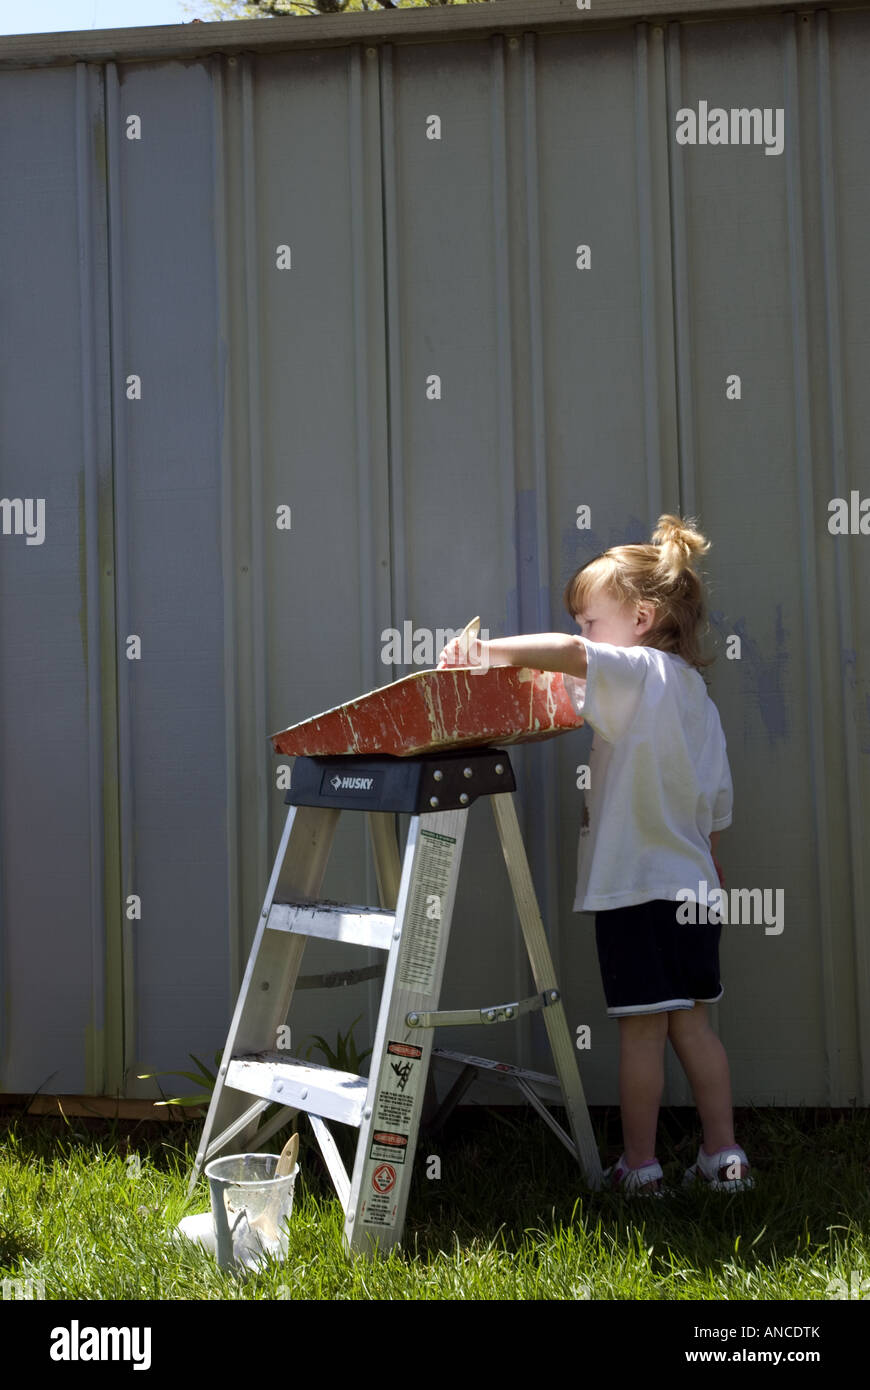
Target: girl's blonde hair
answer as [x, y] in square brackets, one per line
[661, 573]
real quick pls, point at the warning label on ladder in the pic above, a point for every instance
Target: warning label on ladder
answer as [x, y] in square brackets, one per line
[387, 1172]
[379, 1210]
[388, 1144]
[419, 955]
[384, 1178]
[397, 1091]
[391, 1125]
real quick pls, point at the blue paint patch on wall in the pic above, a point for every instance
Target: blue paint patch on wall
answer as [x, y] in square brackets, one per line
[763, 676]
[529, 606]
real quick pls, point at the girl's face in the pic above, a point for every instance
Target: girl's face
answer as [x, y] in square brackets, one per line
[604, 619]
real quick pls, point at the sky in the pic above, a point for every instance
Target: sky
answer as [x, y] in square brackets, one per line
[55, 16]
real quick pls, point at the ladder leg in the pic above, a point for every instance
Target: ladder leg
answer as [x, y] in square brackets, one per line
[332, 1159]
[273, 965]
[564, 1057]
[386, 1149]
[385, 848]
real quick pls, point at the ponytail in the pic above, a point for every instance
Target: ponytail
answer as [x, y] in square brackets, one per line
[662, 573]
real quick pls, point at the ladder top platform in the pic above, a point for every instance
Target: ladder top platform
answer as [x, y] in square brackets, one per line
[430, 711]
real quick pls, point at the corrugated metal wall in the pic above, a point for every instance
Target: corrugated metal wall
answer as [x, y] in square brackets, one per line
[170, 377]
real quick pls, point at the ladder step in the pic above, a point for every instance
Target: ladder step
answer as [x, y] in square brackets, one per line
[360, 926]
[319, 1090]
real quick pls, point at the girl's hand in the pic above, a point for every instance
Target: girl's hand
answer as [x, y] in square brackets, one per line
[457, 654]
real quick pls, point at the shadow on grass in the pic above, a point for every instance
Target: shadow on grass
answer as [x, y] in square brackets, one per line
[16, 1245]
[504, 1174]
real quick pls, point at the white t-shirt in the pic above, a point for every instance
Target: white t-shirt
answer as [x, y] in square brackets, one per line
[659, 778]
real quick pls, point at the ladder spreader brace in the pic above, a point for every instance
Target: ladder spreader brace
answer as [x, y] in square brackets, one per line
[499, 1013]
[412, 927]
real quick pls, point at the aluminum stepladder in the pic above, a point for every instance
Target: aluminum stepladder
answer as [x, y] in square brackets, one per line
[412, 926]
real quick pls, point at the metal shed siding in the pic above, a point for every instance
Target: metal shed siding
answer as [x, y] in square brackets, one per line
[54, 445]
[307, 388]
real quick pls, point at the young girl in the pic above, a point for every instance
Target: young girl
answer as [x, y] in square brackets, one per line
[660, 793]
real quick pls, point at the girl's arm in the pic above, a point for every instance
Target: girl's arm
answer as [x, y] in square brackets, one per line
[714, 836]
[543, 651]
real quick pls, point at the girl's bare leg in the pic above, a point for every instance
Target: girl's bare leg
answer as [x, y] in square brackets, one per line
[704, 1060]
[642, 1040]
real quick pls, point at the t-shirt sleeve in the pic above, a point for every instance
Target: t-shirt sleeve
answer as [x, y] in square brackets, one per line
[611, 694]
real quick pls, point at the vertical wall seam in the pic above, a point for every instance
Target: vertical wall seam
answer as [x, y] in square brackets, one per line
[543, 778]
[505, 438]
[118, 348]
[842, 567]
[96, 1066]
[680, 281]
[646, 238]
[259, 538]
[659, 359]
[395, 450]
[682, 316]
[365, 490]
[228, 562]
[362, 435]
[398, 581]
[809, 584]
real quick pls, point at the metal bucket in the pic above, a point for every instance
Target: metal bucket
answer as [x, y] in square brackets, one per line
[250, 1207]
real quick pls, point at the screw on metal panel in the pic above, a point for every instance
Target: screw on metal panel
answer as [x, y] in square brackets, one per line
[490, 1015]
[466, 772]
[499, 767]
[433, 801]
[438, 775]
[554, 995]
[367, 1113]
[413, 1020]
[351, 1216]
[508, 1013]
[463, 797]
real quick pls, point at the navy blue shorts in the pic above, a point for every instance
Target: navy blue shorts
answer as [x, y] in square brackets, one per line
[650, 962]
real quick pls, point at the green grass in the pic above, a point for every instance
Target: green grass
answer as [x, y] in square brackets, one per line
[82, 1217]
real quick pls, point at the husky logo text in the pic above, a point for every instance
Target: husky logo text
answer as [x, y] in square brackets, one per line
[352, 784]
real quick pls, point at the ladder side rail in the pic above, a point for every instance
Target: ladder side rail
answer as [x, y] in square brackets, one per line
[541, 962]
[263, 1002]
[433, 853]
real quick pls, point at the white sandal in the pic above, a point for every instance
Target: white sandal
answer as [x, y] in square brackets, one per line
[635, 1182]
[709, 1168]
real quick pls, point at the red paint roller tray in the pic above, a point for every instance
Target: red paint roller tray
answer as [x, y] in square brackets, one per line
[454, 707]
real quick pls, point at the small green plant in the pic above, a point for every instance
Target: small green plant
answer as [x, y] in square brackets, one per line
[203, 1077]
[345, 1056]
